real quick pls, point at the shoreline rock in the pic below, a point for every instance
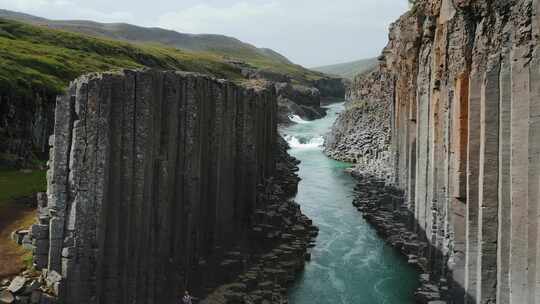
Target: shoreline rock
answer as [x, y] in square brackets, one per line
[383, 207]
[361, 133]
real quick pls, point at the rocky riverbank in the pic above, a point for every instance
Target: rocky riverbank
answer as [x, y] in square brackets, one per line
[279, 244]
[361, 133]
[384, 208]
[282, 236]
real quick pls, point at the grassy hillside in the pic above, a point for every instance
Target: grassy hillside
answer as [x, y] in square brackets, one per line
[348, 69]
[217, 44]
[39, 59]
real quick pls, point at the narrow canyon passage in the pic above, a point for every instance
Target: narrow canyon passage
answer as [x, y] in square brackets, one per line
[350, 263]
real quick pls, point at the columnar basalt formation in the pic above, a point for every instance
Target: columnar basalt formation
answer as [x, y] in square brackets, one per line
[465, 137]
[361, 134]
[155, 183]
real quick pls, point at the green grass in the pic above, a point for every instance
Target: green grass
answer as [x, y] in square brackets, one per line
[28, 260]
[38, 59]
[15, 184]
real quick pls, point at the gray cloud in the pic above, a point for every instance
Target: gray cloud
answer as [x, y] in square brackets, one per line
[309, 32]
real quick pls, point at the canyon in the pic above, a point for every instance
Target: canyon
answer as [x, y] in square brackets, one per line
[450, 117]
[163, 181]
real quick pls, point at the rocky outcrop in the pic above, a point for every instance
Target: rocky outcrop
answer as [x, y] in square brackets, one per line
[161, 181]
[302, 98]
[464, 131]
[331, 87]
[294, 99]
[361, 133]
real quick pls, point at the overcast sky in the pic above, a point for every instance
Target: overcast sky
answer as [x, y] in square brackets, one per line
[309, 32]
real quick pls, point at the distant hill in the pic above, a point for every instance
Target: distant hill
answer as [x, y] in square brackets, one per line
[348, 69]
[217, 44]
[38, 60]
[44, 55]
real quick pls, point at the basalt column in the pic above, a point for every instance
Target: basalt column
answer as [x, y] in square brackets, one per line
[467, 75]
[153, 175]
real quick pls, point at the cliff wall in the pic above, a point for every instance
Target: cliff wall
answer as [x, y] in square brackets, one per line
[464, 102]
[361, 134]
[26, 122]
[161, 181]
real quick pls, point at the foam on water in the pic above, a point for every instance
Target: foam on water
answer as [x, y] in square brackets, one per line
[297, 119]
[301, 143]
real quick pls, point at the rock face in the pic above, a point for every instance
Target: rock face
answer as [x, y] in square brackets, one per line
[361, 134]
[298, 100]
[161, 181]
[303, 100]
[25, 126]
[464, 105]
[331, 87]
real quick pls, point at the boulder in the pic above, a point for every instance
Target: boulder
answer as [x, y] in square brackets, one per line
[17, 284]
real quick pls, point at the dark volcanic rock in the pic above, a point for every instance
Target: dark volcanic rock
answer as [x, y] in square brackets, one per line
[164, 181]
[298, 100]
[384, 208]
[331, 87]
[25, 125]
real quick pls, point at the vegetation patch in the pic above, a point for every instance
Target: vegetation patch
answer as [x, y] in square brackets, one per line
[17, 187]
[15, 184]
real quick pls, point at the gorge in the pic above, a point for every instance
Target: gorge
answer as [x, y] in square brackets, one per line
[350, 262]
[425, 188]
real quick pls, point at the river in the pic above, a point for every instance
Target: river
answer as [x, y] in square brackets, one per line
[350, 263]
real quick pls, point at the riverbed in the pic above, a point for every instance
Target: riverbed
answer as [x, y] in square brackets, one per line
[350, 264]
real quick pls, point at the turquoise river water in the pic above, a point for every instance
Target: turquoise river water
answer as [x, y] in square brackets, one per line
[350, 263]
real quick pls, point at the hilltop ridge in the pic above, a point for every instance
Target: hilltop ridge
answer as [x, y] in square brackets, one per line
[218, 44]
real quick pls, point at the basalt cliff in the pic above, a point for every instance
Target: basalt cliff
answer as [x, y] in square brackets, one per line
[450, 118]
[160, 182]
